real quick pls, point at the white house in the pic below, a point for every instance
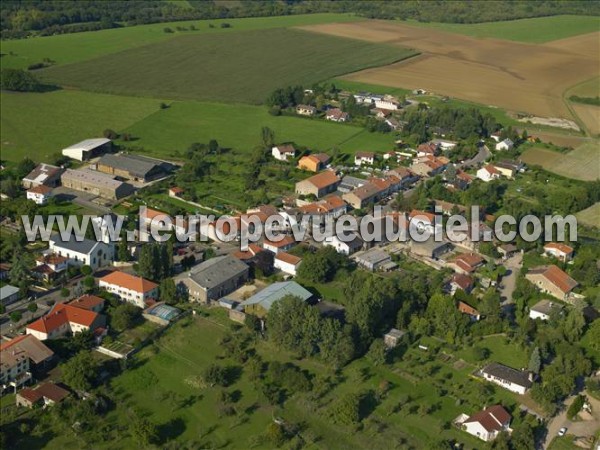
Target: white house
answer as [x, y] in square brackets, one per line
[386, 103]
[361, 158]
[542, 309]
[281, 245]
[506, 144]
[283, 152]
[487, 424]
[336, 115]
[63, 319]
[85, 252]
[39, 194]
[518, 381]
[488, 173]
[559, 251]
[287, 263]
[130, 288]
[345, 248]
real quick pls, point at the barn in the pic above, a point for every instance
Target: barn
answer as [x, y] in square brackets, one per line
[96, 183]
[90, 148]
[133, 167]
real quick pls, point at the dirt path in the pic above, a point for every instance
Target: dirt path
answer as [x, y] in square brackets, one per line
[580, 428]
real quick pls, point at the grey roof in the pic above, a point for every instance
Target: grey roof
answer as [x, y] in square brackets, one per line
[429, 245]
[7, 291]
[373, 256]
[92, 177]
[545, 306]
[88, 144]
[42, 172]
[216, 271]
[84, 246]
[519, 377]
[276, 292]
[137, 165]
[394, 332]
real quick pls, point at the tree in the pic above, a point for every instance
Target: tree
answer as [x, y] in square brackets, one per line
[215, 374]
[64, 292]
[123, 251]
[522, 437]
[377, 353]
[267, 137]
[574, 324]
[347, 409]
[80, 371]
[89, 282]
[15, 316]
[110, 134]
[593, 334]
[168, 291]
[125, 316]
[535, 361]
[213, 146]
[32, 307]
[322, 265]
[275, 434]
[19, 271]
[19, 80]
[143, 431]
[2, 308]
[24, 166]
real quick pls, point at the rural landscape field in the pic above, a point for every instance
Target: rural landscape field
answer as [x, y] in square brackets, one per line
[249, 169]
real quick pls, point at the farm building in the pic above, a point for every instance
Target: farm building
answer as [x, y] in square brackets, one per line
[43, 175]
[90, 148]
[8, 294]
[260, 304]
[96, 183]
[133, 167]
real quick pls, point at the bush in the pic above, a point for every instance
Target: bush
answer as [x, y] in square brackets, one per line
[575, 407]
[110, 134]
[225, 25]
[168, 30]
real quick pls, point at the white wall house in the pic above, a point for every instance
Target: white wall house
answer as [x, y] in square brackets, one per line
[39, 194]
[364, 158]
[506, 144]
[488, 424]
[130, 288]
[387, 104]
[283, 152]
[518, 381]
[345, 248]
[488, 173]
[287, 263]
[83, 253]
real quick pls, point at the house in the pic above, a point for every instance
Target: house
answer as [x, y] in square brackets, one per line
[422, 220]
[64, 318]
[84, 252]
[161, 313]
[287, 263]
[248, 255]
[260, 304]
[361, 158]
[506, 144]
[43, 175]
[47, 393]
[444, 144]
[393, 123]
[344, 247]
[543, 309]
[428, 149]
[314, 162]
[506, 170]
[350, 183]
[282, 245]
[388, 155]
[428, 166]
[388, 103]
[488, 173]
[507, 250]
[39, 194]
[488, 424]
[337, 115]
[405, 176]
[4, 271]
[330, 206]
[374, 259]
[213, 279]
[461, 281]
[130, 288]
[96, 183]
[559, 250]
[283, 152]
[89, 303]
[467, 263]
[430, 248]
[392, 338]
[318, 185]
[469, 310]
[362, 196]
[134, 167]
[49, 267]
[8, 294]
[518, 381]
[306, 110]
[21, 358]
[175, 192]
[496, 136]
[552, 280]
[90, 148]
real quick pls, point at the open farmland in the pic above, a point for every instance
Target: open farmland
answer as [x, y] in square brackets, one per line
[590, 216]
[74, 47]
[236, 67]
[40, 125]
[535, 30]
[580, 164]
[516, 76]
[590, 116]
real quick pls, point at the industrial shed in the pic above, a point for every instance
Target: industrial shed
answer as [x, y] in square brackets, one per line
[96, 183]
[133, 167]
[90, 148]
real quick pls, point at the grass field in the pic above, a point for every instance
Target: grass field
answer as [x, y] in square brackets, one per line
[39, 125]
[583, 163]
[238, 126]
[69, 48]
[235, 67]
[590, 88]
[537, 30]
[590, 216]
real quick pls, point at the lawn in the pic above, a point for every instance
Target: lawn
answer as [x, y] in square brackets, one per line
[500, 351]
[40, 125]
[172, 130]
[235, 67]
[537, 30]
[74, 47]
[583, 163]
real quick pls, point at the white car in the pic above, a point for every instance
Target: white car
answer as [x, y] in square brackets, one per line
[562, 431]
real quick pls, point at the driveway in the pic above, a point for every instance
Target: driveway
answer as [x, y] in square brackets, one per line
[577, 429]
[509, 281]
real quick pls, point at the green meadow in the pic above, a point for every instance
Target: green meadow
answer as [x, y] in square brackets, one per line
[537, 30]
[69, 48]
[237, 67]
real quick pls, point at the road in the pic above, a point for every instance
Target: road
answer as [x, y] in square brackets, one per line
[509, 281]
[483, 154]
[580, 428]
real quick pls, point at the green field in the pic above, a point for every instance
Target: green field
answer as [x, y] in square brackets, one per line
[69, 48]
[590, 216]
[238, 126]
[236, 67]
[583, 163]
[590, 88]
[537, 30]
[39, 125]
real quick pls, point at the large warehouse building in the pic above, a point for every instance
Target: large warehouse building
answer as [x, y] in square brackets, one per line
[96, 183]
[133, 167]
[90, 148]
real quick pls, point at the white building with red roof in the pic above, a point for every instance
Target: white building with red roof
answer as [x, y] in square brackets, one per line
[130, 288]
[488, 424]
[287, 263]
[488, 173]
[39, 194]
[63, 319]
[280, 245]
[559, 251]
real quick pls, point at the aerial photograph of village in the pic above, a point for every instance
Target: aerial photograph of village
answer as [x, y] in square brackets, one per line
[300, 224]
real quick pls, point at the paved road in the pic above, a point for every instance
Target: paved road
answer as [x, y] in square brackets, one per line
[509, 281]
[483, 154]
[581, 428]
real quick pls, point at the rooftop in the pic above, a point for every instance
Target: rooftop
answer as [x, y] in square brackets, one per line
[88, 144]
[275, 292]
[7, 290]
[61, 314]
[216, 271]
[137, 165]
[545, 307]
[492, 419]
[27, 345]
[556, 276]
[323, 179]
[92, 177]
[519, 377]
[87, 302]
[77, 244]
[127, 281]
[41, 173]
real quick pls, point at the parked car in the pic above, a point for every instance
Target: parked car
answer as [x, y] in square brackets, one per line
[562, 431]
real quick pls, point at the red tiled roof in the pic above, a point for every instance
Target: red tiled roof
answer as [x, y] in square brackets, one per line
[557, 277]
[559, 246]
[492, 170]
[61, 314]
[287, 258]
[41, 189]
[415, 213]
[462, 281]
[153, 214]
[30, 395]
[467, 309]
[252, 251]
[323, 158]
[287, 240]
[87, 302]
[176, 190]
[286, 148]
[493, 418]
[323, 179]
[29, 345]
[127, 281]
[51, 259]
[468, 261]
[52, 392]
